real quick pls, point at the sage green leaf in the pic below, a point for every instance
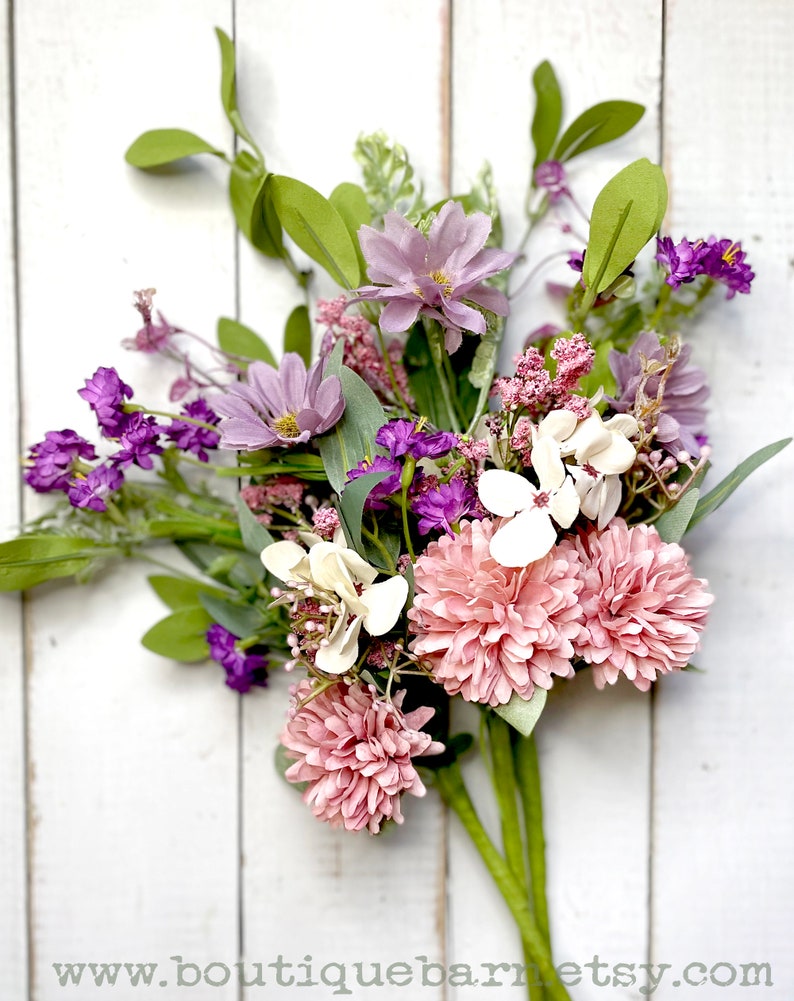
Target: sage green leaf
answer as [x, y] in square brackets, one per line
[229, 87]
[32, 559]
[626, 214]
[716, 497]
[484, 362]
[598, 125]
[161, 146]
[548, 111]
[675, 520]
[181, 592]
[252, 205]
[240, 619]
[180, 636]
[351, 506]
[298, 334]
[523, 714]
[350, 201]
[317, 228]
[600, 375]
[254, 535]
[353, 437]
[236, 339]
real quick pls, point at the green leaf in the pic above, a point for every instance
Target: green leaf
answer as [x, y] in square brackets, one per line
[482, 367]
[716, 497]
[236, 339]
[32, 559]
[240, 619]
[229, 88]
[598, 125]
[351, 506]
[548, 111]
[181, 592]
[162, 146]
[351, 203]
[625, 216]
[675, 520]
[180, 636]
[317, 228]
[523, 714]
[252, 205]
[282, 764]
[254, 535]
[353, 437]
[600, 375]
[298, 334]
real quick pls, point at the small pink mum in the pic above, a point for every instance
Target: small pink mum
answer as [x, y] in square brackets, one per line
[490, 630]
[354, 750]
[643, 608]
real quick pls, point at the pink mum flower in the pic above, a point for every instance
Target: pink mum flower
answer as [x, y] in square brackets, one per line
[490, 630]
[354, 750]
[643, 608]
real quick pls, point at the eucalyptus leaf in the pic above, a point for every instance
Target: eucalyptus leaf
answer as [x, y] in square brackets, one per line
[162, 146]
[598, 125]
[229, 87]
[254, 535]
[626, 214]
[252, 205]
[482, 367]
[351, 506]
[523, 714]
[548, 111]
[180, 636]
[240, 619]
[298, 334]
[317, 228]
[716, 497]
[672, 525]
[181, 592]
[236, 339]
[33, 559]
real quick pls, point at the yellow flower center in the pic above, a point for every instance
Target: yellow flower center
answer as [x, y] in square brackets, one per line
[287, 426]
[729, 254]
[441, 279]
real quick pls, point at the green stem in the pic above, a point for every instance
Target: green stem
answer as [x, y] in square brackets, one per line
[435, 340]
[449, 782]
[390, 371]
[373, 538]
[528, 781]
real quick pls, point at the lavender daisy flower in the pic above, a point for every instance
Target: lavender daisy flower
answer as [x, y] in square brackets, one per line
[139, 438]
[402, 437]
[283, 407]
[92, 491]
[53, 460]
[192, 437]
[105, 392]
[243, 668]
[444, 506]
[432, 275]
[681, 422]
[387, 487]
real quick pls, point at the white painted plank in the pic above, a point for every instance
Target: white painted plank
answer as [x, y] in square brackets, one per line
[135, 846]
[13, 923]
[723, 880]
[594, 746]
[312, 79]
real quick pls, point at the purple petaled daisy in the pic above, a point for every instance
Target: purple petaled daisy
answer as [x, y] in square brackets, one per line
[432, 275]
[192, 437]
[105, 392]
[724, 262]
[550, 176]
[243, 668]
[284, 407]
[387, 487]
[92, 491]
[402, 437]
[444, 506]
[680, 425]
[139, 438]
[52, 460]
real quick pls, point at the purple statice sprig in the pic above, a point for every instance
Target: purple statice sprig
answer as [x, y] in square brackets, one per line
[442, 507]
[93, 490]
[244, 668]
[723, 261]
[190, 433]
[52, 463]
[105, 393]
[406, 437]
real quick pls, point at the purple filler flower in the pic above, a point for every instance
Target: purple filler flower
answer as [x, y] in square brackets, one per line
[433, 274]
[243, 668]
[550, 176]
[444, 506]
[681, 260]
[92, 490]
[139, 438]
[683, 414]
[724, 262]
[105, 392]
[192, 437]
[387, 487]
[52, 460]
[281, 407]
[402, 437]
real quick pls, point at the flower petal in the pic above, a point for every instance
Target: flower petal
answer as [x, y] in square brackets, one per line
[547, 463]
[384, 602]
[565, 504]
[523, 539]
[504, 493]
[400, 314]
[281, 559]
[560, 424]
[341, 652]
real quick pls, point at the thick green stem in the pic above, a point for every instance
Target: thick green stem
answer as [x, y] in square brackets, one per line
[528, 780]
[435, 340]
[449, 782]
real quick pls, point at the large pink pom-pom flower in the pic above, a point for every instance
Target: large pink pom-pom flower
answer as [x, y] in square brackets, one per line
[354, 750]
[644, 609]
[490, 630]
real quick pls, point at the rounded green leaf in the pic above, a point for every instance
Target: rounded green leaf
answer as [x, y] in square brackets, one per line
[548, 111]
[298, 334]
[598, 125]
[237, 339]
[249, 194]
[162, 146]
[181, 635]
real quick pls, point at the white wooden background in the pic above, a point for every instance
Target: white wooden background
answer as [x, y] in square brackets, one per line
[140, 817]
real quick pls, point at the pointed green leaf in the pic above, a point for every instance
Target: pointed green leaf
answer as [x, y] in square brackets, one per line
[298, 334]
[626, 214]
[548, 111]
[598, 125]
[181, 592]
[674, 522]
[351, 506]
[236, 339]
[32, 559]
[161, 146]
[317, 228]
[523, 714]
[351, 203]
[254, 535]
[241, 619]
[229, 87]
[252, 204]
[180, 636]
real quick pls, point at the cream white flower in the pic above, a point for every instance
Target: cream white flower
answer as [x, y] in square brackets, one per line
[339, 577]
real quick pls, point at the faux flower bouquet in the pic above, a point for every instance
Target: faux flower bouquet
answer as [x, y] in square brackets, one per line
[408, 526]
